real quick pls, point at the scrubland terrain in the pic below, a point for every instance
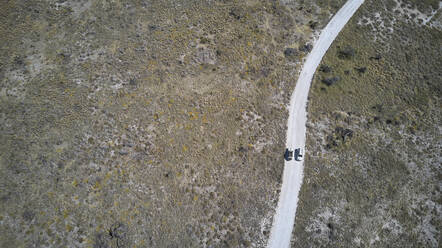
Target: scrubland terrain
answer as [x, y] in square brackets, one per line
[146, 123]
[162, 123]
[373, 166]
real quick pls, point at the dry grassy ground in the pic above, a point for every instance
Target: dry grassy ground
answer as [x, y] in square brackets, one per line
[373, 166]
[162, 124]
[146, 123]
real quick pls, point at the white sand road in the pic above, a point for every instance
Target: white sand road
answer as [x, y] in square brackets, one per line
[293, 170]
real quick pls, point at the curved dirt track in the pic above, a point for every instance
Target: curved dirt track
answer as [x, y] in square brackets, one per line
[293, 170]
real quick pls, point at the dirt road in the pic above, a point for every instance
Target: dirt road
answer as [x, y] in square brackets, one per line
[293, 170]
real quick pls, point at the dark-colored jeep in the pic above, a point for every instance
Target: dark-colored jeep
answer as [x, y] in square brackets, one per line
[289, 153]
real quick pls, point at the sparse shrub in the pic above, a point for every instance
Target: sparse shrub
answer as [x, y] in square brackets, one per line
[204, 40]
[361, 70]
[340, 136]
[347, 53]
[237, 13]
[325, 68]
[330, 81]
[290, 53]
[377, 57]
[344, 133]
[306, 48]
[313, 24]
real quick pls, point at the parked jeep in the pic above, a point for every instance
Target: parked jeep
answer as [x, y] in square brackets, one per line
[299, 154]
[289, 153]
